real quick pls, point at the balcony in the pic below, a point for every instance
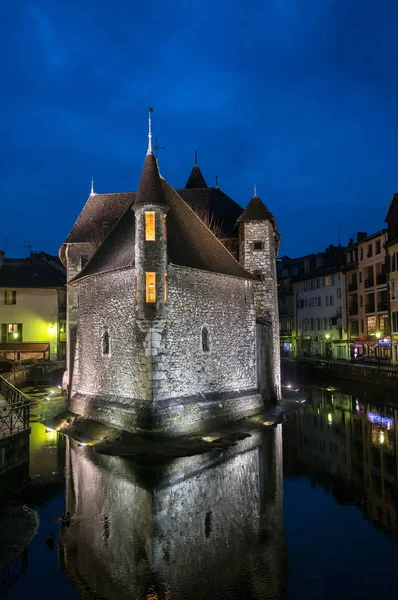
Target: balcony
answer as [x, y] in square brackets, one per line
[381, 278]
[369, 283]
[352, 287]
[382, 306]
[370, 308]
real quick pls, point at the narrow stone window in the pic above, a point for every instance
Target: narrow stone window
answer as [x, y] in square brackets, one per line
[106, 347]
[149, 226]
[136, 288]
[165, 288]
[150, 287]
[205, 339]
[165, 227]
[258, 245]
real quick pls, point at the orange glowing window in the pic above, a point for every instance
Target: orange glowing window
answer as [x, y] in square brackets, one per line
[150, 287]
[165, 227]
[149, 226]
[165, 288]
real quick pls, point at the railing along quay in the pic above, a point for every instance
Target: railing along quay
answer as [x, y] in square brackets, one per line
[14, 414]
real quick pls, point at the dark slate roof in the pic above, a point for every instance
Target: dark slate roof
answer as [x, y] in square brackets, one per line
[196, 179]
[99, 215]
[189, 242]
[32, 272]
[257, 211]
[150, 190]
[214, 202]
[116, 252]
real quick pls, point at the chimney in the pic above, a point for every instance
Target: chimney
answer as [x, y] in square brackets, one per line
[361, 235]
[1, 257]
[351, 242]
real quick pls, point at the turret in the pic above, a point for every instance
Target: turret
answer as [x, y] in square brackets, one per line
[150, 210]
[258, 249]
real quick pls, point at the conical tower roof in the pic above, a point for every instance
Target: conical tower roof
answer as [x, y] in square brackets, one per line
[257, 211]
[150, 190]
[196, 179]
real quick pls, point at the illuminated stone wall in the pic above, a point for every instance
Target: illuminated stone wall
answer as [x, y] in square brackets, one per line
[223, 304]
[265, 292]
[108, 300]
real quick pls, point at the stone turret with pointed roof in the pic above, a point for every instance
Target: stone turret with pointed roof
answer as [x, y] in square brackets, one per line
[257, 211]
[196, 180]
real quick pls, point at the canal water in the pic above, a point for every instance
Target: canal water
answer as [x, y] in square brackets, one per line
[304, 510]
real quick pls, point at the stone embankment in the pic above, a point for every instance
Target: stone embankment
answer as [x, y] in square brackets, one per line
[372, 373]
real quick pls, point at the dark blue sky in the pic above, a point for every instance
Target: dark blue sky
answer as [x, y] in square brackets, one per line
[297, 96]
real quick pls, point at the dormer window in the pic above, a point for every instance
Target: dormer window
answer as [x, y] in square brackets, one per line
[149, 226]
[258, 245]
[150, 287]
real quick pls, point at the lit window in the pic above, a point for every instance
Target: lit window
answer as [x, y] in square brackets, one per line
[165, 288]
[165, 227]
[150, 287]
[105, 342]
[150, 226]
[10, 297]
[11, 332]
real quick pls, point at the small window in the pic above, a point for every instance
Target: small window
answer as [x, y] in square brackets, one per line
[10, 297]
[258, 245]
[106, 349]
[83, 261]
[165, 288]
[150, 287]
[258, 273]
[378, 247]
[149, 226]
[361, 254]
[370, 250]
[11, 332]
[205, 339]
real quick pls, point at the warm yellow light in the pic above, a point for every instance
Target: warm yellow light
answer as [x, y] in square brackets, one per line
[330, 418]
[268, 423]
[381, 437]
[150, 287]
[327, 336]
[150, 226]
[15, 335]
[208, 438]
[378, 334]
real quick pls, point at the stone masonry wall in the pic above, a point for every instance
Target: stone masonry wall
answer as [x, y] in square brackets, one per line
[223, 304]
[108, 300]
[74, 253]
[266, 291]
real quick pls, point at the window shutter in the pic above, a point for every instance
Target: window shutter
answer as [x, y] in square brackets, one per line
[4, 332]
[20, 332]
[14, 297]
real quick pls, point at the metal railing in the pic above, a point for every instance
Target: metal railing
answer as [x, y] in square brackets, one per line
[14, 414]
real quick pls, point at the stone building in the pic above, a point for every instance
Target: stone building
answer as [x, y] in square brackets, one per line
[166, 328]
[391, 248]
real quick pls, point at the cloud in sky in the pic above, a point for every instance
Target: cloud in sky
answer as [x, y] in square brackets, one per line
[297, 96]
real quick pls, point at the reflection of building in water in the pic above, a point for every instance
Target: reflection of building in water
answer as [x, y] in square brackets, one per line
[207, 526]
[337, 439]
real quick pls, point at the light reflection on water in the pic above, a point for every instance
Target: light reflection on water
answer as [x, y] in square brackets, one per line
[211, 526]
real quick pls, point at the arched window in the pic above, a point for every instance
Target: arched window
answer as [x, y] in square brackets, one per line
[106, 347]
[205, 339]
